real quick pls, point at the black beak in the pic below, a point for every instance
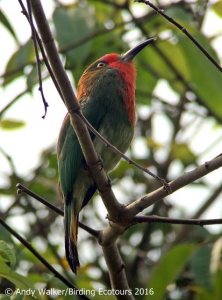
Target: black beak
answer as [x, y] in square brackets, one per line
[129, 55]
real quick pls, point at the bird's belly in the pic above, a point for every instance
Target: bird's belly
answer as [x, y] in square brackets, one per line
[120, 136]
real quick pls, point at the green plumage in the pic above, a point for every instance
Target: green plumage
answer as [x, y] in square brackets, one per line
[105, 110]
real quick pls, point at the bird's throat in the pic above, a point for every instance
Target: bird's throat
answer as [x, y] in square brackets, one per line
[127, 73]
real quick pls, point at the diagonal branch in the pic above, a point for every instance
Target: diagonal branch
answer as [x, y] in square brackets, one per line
[181, 233]
[184, 30]
[140, 204]
[39, 257]
[4, 109]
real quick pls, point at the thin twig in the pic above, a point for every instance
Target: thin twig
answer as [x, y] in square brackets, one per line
[4, 109]
[25, 13]
[38, 63]
[103, 31]
[180, 234]
[184, 30]
[140, 204]
[16, 70]
[11, 162]
[22, 189]
[157, 219]
[39, 257]
[114, 149]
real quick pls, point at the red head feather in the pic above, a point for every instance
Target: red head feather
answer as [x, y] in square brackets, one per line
[127, 73]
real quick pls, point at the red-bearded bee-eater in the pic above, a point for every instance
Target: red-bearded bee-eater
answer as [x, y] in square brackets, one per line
[106, 94]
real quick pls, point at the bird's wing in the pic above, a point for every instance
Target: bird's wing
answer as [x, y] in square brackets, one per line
[70, 155]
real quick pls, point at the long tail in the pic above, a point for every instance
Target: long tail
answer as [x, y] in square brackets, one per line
[71, 220]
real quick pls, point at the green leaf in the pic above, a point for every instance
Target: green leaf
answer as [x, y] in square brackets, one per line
[168, 269]
[21, 297]
[216, 256]
[217, 7]
[201, 293]
[154, 63]
[7, 254]
[200, 266]
[182, 151]
[6, 23]
[4, 297]
[205, 79]
[73, 24]
[145, 83]
[18, 61]
[181, 15]
[99, 47]
[17, 297]
[216, 270]
[9, 124]
[32, 78]
[20, 281]
[218, 285]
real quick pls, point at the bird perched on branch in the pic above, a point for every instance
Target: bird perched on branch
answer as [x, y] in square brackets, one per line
[106, 94]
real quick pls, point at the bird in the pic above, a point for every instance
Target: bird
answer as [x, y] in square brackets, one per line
[106, 95]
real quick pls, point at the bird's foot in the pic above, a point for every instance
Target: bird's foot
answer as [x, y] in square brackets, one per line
[109, 182]
[98, 163]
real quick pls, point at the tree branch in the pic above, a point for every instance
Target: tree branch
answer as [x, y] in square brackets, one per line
[4, 109]
[157, 219]
[139, 205]
[38, 63]
[39, 257]
[180, 234]
[117, 272]
[22, 189]
[184, 30]
[24, 11]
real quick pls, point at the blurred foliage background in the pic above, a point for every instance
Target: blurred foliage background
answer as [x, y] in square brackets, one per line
[179, 126]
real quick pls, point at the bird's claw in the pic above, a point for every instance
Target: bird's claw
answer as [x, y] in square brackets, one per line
[109, 182]
[98, 163]
[167, 188]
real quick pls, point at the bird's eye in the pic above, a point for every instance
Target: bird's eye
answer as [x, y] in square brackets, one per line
[101, 64]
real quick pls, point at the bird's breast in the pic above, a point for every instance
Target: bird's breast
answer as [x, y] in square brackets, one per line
[119, 134]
